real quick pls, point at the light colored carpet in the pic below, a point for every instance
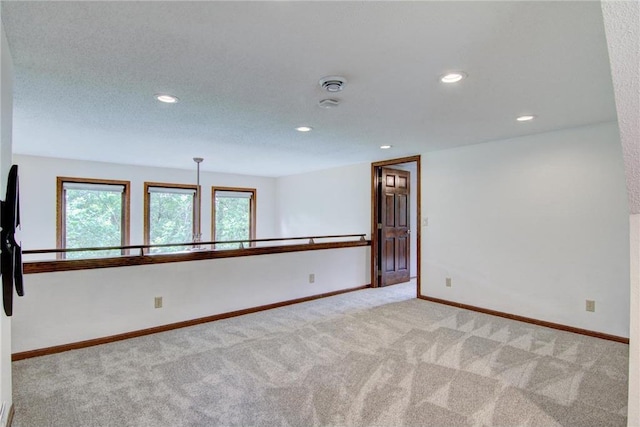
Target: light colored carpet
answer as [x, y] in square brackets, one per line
[377, 357]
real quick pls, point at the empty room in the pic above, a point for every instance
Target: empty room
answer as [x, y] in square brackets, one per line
[319, 213]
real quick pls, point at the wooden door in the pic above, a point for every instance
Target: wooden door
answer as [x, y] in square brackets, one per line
[394, 227]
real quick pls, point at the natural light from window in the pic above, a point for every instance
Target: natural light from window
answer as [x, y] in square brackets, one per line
[234, 217]
[93, 217]
[171, 217]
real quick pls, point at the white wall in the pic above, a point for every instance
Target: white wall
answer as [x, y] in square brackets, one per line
[337, 201]
[532, 226]
[633, 416]
[332, 201]
[6, 114]
[72, 306]
[622, 27]
[38, 195]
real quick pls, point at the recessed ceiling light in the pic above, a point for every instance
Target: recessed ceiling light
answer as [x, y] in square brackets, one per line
[385, 147]
[526, 118]
[453, 77]
[168, 99]
[304, 128]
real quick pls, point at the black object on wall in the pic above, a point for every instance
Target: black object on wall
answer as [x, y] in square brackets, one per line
[10, 250]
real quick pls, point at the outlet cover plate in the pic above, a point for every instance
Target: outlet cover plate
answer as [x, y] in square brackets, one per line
[590, 305]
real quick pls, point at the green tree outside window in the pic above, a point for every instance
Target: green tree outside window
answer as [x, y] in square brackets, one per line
[233, 216]
[170, 220]
[93, 219]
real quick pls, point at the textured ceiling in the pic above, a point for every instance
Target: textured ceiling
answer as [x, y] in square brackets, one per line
[622, 23]
[246, 74]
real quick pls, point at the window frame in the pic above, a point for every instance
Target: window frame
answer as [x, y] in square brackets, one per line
[61, 209]
[147, 206]
[253, 205]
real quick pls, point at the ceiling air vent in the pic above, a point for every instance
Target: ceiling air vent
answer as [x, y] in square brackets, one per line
[328, 103]
[333, 83]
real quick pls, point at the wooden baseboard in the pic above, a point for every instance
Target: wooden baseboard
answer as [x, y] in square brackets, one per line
[164, 328]
[528, 320]
[12, 411]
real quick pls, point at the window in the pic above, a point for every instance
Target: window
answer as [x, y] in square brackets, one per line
[92, 213]
[233, 215]
[169, 215]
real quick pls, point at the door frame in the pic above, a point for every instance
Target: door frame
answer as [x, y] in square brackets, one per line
[375, 241]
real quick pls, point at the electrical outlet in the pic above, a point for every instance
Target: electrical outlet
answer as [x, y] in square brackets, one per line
[312, 278]
[447, 282]
[158, 302]
[591, 305]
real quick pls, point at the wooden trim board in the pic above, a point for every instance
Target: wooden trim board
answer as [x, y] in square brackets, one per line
[528, 320]
[171, 326]
[32, 267]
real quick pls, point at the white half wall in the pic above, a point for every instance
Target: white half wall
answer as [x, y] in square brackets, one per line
[332, 201]
[38, 195]
[532, 226]
[66, 307]
[6, 129]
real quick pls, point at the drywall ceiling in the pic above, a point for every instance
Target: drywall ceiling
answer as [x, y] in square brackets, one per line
[246, 74]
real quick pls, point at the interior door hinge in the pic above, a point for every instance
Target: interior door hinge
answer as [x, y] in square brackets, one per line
[379, 226]
[379, 272]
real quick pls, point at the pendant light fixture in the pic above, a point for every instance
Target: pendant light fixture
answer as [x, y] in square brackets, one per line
[197, 232]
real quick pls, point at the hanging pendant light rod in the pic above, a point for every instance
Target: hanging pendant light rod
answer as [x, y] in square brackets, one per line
[197, 234]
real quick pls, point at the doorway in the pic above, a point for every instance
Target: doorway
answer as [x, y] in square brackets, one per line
[395, 221]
